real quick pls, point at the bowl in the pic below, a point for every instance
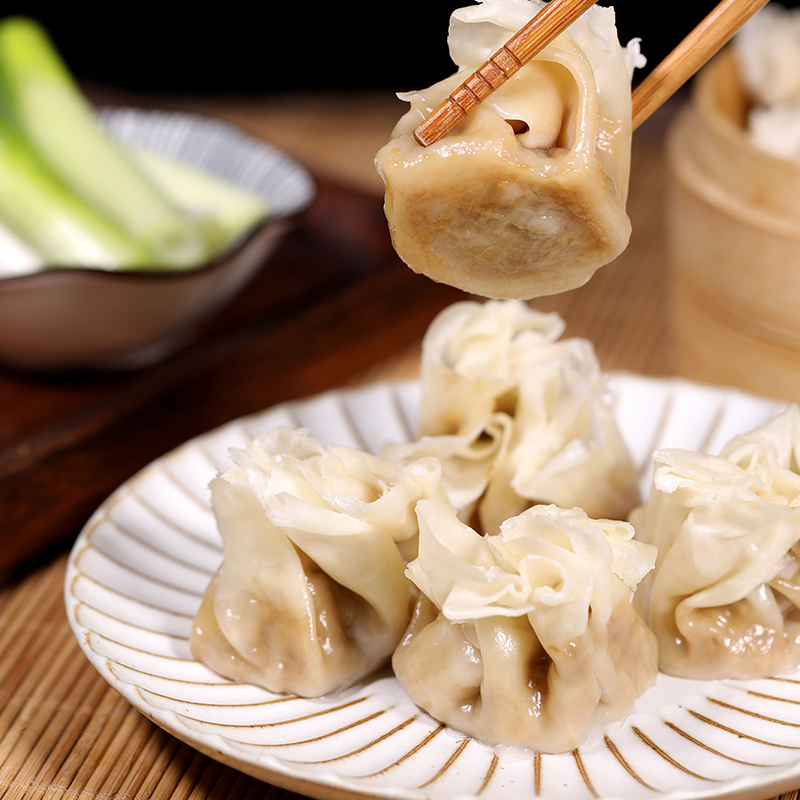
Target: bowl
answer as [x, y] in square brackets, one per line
[67, 318]
[734, 243]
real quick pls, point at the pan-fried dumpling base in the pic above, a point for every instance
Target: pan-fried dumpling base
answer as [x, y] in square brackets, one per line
[526, 196]
[527, 637]
[311, 595]
[724, 598]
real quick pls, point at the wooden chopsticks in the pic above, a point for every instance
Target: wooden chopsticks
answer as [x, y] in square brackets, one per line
[662, 82]
[694, 51]
[530, 40]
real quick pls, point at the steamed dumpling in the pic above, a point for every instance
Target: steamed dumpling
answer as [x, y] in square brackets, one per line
[527, 637]
[517, 415]
[767, 51]
[311, 595]
[724, 598]
[525, 196]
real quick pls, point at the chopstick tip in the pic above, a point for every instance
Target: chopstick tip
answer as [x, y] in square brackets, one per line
[422, 137]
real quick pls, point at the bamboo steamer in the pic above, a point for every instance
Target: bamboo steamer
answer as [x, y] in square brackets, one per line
[734, 244]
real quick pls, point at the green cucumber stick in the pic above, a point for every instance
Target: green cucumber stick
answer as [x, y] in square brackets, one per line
[59, 121]
[40, 210]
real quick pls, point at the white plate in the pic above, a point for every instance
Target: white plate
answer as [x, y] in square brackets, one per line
[139, 568]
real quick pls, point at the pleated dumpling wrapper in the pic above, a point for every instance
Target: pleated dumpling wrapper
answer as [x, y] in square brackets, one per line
[525, 196]
[767, 53]
[517, 415]
[311, 594]
[724, 598]
[527, 637]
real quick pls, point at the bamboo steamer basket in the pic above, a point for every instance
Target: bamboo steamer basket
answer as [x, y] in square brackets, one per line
[734, 244]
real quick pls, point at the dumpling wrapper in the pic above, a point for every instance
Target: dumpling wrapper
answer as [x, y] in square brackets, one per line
[527, 637]
[311, 595]
[525, 411]
[724, 598]
[468, 461]
[525, 196]
[767, 52]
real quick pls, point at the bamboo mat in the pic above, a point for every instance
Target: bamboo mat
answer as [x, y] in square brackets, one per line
[64, 733]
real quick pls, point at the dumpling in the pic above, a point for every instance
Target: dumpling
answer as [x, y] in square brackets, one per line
[724, 598]
[468, 461]
[767, 51]
[527, 637]
[499, 384]
[311, 595]
[472, 354]
[525, 196]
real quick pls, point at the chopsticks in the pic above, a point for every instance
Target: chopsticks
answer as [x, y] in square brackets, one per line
[687, 58]
[663, 81]
[529, 41]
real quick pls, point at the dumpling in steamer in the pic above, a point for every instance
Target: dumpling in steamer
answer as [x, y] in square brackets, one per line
[311, 595]
[527, 637]
[724, 598]
[526, 196]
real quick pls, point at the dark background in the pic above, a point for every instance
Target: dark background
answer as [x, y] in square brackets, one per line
[290, 46]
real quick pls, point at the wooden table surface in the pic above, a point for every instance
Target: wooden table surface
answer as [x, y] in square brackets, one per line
[334, 307]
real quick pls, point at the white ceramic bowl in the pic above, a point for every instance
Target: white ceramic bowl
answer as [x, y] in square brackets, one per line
[80, 318]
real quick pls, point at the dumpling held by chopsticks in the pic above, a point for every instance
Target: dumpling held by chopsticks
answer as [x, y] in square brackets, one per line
[525, 196]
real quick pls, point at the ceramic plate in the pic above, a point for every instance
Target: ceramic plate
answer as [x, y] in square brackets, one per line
[139, 568]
